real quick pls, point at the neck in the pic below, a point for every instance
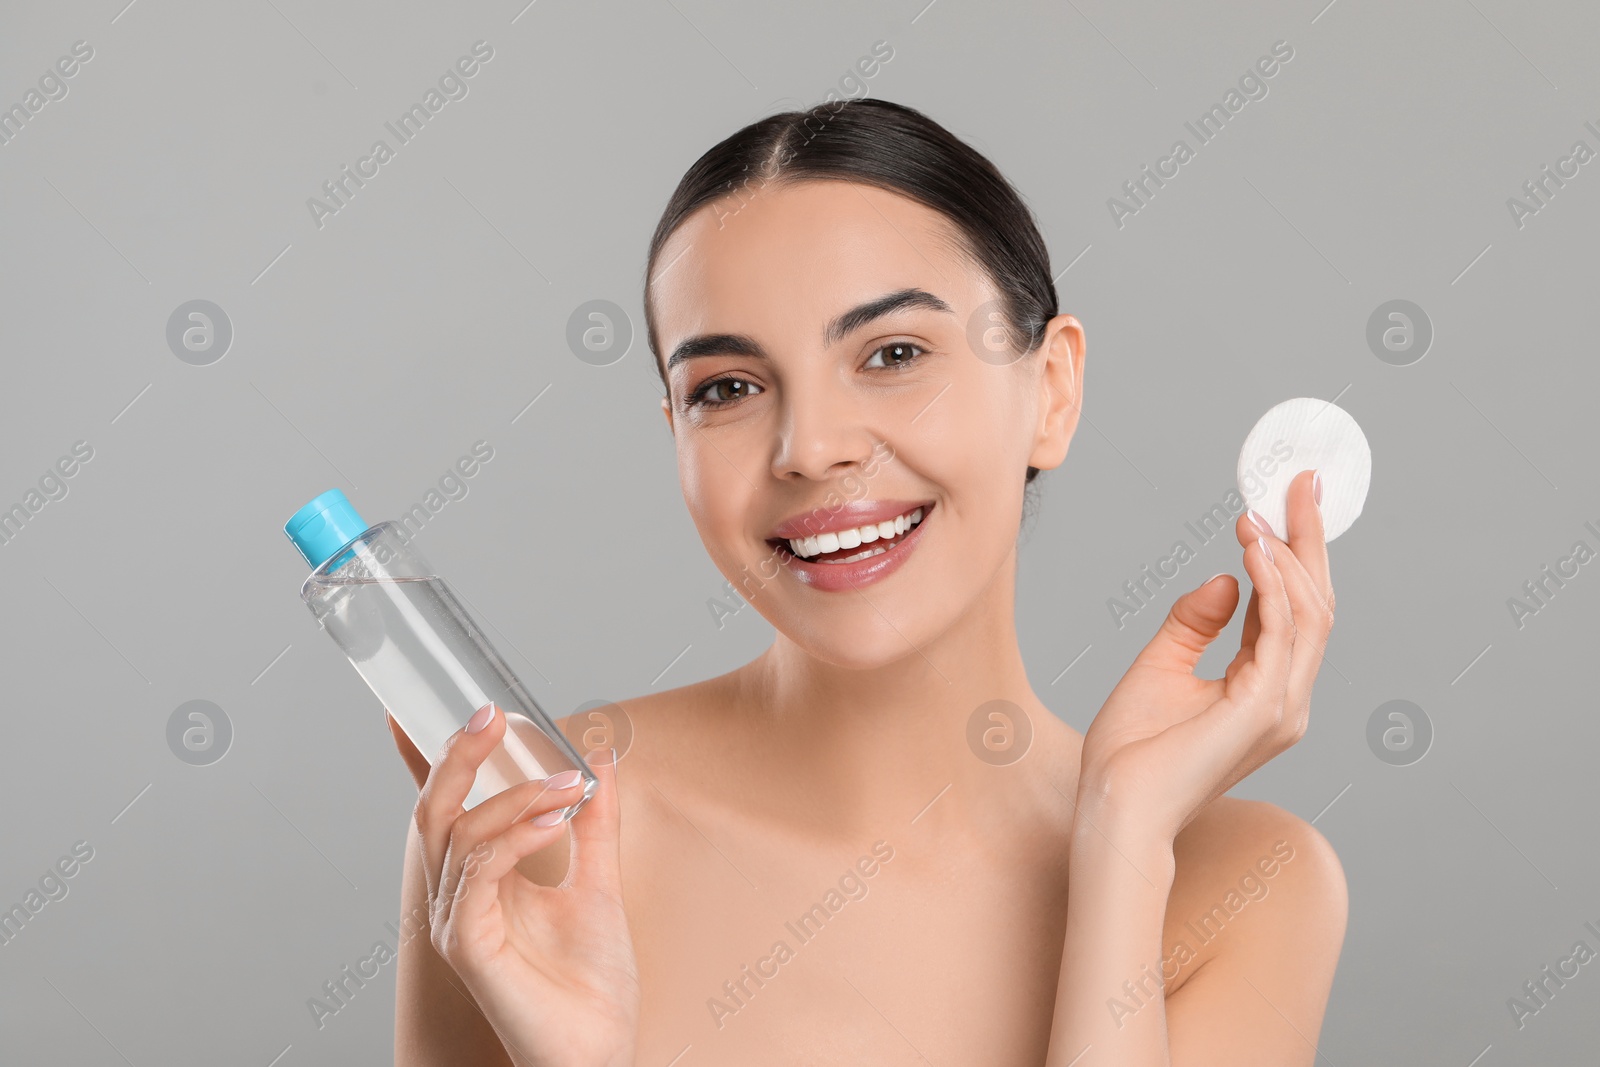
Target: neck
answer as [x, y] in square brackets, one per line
[852, 751]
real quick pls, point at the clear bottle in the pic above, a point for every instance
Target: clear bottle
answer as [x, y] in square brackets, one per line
[417, 647]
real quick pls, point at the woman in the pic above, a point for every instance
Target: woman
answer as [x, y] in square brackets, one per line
[826, 860]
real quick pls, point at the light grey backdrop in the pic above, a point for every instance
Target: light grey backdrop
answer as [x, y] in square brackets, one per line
[431, 310]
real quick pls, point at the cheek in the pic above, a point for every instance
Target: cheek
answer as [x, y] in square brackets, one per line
[974, 431]
[978, 454]
[718, 497]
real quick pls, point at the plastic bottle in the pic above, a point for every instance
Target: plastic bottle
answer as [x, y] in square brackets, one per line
[418, 648]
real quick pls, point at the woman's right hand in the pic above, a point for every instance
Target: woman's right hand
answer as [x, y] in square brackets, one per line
[552, 968]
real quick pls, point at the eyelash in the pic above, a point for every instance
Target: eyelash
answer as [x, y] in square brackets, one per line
[697, 398]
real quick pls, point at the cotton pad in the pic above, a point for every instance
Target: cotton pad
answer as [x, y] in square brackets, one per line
[1302, 434]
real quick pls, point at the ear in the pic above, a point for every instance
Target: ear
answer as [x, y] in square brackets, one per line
[666, 409]
[1060, 391]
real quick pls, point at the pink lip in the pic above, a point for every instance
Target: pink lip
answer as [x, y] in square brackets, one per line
[845, 517]
[838, 577]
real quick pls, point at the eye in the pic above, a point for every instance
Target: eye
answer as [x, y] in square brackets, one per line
[710, 393]
[900, 354]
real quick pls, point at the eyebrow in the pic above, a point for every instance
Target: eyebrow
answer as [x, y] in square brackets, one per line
[718, 344]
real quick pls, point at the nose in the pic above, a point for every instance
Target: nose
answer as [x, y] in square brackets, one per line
[823, 432]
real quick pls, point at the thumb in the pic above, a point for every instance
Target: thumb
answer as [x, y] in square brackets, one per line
[1196, 618]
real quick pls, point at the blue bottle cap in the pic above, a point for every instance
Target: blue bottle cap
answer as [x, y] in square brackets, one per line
[324, 526]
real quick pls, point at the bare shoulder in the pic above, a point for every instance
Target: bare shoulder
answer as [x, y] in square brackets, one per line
[641, 729]
[647, 731]
[664, 741]
[1257, 890]
[1256, 920]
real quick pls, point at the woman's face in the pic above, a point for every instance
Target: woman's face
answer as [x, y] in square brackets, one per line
[796, 406]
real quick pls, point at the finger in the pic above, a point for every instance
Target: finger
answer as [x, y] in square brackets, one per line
[1247, 635]
[1313, 607]
[1231, 729]
[439, 803]
[482, 871]
[415, 761]
[597, 829]
[1307, 535]
[477, 884]
[523, 802]
[1247, 528]
[1310, 614]
[1196, 618]
[1267, 675]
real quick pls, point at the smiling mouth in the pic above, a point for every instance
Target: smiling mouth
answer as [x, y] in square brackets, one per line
[855, 544]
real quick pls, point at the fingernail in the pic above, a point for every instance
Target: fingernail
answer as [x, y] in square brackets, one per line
[1213, 578]
[480, 718]
[1262, 541]
[613, 758]
[549, 818]
[564, 780]
[1260, 523]
[1316, 487]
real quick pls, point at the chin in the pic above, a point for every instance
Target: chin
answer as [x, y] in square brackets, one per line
[866, 643]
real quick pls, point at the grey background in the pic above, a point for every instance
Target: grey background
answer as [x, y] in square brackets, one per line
[428, 313]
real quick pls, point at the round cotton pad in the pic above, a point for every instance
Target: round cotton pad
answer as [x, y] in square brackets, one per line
[1302, 434]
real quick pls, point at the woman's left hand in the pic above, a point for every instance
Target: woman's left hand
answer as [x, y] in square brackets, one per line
[1167, 743]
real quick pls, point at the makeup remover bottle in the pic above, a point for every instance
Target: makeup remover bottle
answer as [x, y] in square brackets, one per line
[418, 649]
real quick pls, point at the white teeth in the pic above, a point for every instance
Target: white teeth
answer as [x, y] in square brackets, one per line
[862, 535]
[858, 555]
